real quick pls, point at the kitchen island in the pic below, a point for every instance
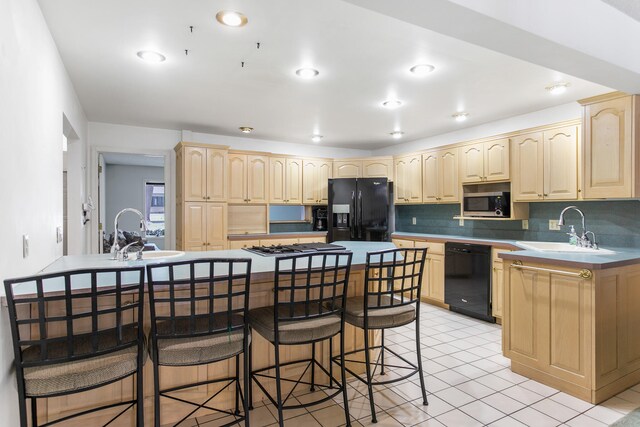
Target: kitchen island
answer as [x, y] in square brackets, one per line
[261, 294]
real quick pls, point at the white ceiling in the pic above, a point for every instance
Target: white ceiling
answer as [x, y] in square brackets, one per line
[363, 58]
[629, 7]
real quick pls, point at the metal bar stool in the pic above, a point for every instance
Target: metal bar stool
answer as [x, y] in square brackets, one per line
[198, 310]
[309, 291]
[393, 280]
[100, 314]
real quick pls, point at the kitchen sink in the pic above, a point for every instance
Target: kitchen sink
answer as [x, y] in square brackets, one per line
[157, 254]
[561, 247]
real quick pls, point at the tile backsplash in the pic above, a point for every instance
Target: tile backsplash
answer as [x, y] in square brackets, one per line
[290, 227]
[615, 223]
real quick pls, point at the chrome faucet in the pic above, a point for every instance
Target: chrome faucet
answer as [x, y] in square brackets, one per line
[121, 254]
[583, 241]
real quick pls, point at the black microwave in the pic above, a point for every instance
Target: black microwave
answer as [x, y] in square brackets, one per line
[494, 204]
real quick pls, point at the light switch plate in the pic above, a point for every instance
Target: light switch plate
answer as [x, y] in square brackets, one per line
[525, 224]
[59, 235]
[25, 245]
[461, 222]
[413, 220]
[553, 224]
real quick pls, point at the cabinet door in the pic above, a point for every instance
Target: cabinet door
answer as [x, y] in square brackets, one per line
[257, 179]
[325, 172]
[237, 178]
[430, 178]
[496, 160]
[216, 226]
[401, 243]
[414, 184]
[448, 176]
[435, 270]
[608, 144]
[561, 164]
[293, 181]
[195, 226]
[310, 178]
[347, 168]
[216, 175]
[195, 174]
[399, 188]
[528, 162]
[377, 168]
[277, 179]
[472, 163]
[497, 285]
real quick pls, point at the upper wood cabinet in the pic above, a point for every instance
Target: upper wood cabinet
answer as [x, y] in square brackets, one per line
[375, 167]
[201, 174]
[611, 147]
[204, 227]
[440, 176]
[248, 178]
[485, 161]
[408, 179]
[347, 168]
[285, 180]
[528, 167]
[315, 181]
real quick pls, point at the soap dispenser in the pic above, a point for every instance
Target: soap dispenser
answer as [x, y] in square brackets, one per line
[573, 237]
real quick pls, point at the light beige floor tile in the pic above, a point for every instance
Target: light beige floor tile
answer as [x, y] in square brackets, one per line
[523, 395]
[408, 415]
[330, 416]
[435, 407]
[475, 389]
[454, 397]
[555, 410]
[533, 418]
[482, 412]
[585, 421]
[503, 403]
[605, 415]
[619, 405]
[507, 422]
[539, 388]
[458, 418]
[306, 420]
[572, 402]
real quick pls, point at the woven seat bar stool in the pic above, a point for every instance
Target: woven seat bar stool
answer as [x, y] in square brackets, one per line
[309, 291]
[75, 331]
[198, 310]
[393, 280]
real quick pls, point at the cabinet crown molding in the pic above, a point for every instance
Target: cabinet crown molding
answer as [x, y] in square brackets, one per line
[600, 98]
[183, 144]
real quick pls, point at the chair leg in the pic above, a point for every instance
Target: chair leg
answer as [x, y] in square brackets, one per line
[139, 397]
[278, 385]
[343, 374]
[237, 411]
[313, 367]
[367, 359]
[247, 380]
[419, 354]
[22, 404]
[382, 355]
[34, 412]
[156, 395]
[331, 362]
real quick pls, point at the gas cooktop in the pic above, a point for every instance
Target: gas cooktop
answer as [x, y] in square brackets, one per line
[297, 248]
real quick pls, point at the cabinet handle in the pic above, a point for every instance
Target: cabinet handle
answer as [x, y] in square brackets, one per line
[539, 195]
[545, 195]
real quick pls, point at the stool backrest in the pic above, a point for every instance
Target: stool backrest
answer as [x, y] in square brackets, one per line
[198, 297]
[393, 277]
[311, 285]
[74, 315]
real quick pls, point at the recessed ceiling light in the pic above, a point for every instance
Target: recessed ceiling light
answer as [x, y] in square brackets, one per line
[245, 129]
[316, 138]
[557, 88]
[307, 73]
[396, 134]
[231, 19]
[460, 117]
[422, 69]
[392, 104]
[151, 56]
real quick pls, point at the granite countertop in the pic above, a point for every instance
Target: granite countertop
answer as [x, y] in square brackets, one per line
[593, 261]
[276, 235]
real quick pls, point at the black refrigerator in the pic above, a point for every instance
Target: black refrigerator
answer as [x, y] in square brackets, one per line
[360, 209]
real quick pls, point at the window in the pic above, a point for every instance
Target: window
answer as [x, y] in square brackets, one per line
[154, 208]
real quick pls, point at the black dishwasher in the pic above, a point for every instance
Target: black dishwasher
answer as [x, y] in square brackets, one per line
[467, 279]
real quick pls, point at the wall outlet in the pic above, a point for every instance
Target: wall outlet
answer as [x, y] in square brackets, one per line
[461, 222]
[413, 220]
[525, 224]
[553, 224]
[59, 235]
[25, 245]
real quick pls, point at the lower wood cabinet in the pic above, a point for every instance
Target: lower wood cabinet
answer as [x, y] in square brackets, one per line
[497, 283]
[201, 226]
[433, 273]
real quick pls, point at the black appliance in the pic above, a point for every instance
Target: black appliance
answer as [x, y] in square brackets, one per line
[296, 248]
[360, 209]
[319, 215]
[493, 204]
[467, 279]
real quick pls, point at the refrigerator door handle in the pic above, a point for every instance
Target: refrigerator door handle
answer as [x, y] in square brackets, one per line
[360, 215]
[352, 215]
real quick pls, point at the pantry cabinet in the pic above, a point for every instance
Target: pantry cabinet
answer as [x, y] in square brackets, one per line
[285, 181]
[201, 174]
[485, 161]
[440, 176]
[408, 179]
[203, 227]
[315, 181]
[248, 178]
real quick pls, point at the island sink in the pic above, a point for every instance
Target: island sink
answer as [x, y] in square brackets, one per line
[561, 247]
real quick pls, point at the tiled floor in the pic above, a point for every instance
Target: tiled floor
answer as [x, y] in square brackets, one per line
[469, 383]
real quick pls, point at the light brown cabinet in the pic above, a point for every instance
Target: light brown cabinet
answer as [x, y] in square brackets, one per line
[497, 284]
[611, 147]
[285, 181]
[433, 274]
[203, 227]
[485, 161]
[375, 167]
[248, 178]
[347, 168]
[440, 176]
[202, 174]
[546, 165]
[315, 181]
[408, 179]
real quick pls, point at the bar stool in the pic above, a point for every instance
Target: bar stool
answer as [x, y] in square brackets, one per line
[309, 291]
[71, 334]
[393, 279]
[198, 310]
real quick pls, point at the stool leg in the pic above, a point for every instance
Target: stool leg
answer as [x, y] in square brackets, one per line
[343, 374]
[418, 352]
[367, 359]
[382, 355]
[313, 367]
[22, 402]
[34, 412]
[278, 386]
[139, 396]
[247, 378]
[156, 394]
[331, 362]
[237, 411]
[250, 370]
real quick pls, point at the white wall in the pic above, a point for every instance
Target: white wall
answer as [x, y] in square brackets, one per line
[538, 118]
[35, 93]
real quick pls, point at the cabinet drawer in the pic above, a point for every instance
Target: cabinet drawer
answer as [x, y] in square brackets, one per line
[401, 243]
[318, 239]
[239, 244]
[269, 242]
[432, 247]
